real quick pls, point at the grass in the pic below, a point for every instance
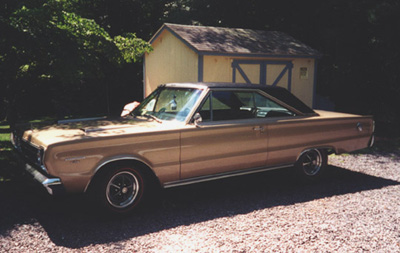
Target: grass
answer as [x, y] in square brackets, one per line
[5, 144]
[6, 162]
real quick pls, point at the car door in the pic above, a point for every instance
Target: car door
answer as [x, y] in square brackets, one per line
[281, 127]
[230, 137]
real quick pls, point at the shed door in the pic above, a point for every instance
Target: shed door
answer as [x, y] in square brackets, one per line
[274, 73]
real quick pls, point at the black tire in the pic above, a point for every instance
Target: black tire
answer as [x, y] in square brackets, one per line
[120, 188]
[312, 163]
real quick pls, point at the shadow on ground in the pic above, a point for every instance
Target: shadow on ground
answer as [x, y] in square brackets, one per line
[69, 222]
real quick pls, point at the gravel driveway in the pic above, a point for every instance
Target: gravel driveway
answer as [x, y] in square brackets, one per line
[355, 207]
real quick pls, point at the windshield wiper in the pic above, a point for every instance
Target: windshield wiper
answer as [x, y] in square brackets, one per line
[149, 116]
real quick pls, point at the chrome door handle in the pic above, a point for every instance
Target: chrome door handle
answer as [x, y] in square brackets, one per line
[258, 128]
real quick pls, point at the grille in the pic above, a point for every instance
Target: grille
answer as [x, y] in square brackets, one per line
[30, 152]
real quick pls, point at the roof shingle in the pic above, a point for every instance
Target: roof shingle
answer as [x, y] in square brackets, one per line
[240, 41]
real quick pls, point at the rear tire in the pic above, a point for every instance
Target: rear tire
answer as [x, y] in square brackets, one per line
[312, 163]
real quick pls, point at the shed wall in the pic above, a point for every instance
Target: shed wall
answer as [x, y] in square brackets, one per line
[303, 88]
[252, 72]
[273, 72]
[219, 69]
[170, 61]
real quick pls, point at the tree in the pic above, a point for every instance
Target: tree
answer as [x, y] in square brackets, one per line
[52, 57]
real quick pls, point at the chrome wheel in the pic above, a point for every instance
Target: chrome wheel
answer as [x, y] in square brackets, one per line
[311, 162]
[122, 189]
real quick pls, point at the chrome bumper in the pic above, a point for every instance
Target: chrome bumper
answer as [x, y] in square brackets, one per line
[53, 185]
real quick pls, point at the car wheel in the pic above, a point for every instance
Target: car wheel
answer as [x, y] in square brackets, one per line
[312, 163]
[121, 189]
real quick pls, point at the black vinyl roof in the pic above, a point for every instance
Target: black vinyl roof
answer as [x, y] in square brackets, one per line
[279, 93]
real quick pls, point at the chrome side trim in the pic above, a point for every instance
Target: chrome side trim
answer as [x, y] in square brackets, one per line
[222, 175]
[75, 159]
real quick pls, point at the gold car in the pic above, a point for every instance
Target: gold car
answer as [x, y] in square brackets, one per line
[188, 133]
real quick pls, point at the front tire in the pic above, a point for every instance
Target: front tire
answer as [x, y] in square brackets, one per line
[120, 189]
[312, 163]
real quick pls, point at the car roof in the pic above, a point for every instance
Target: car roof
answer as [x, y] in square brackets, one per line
[279, 93]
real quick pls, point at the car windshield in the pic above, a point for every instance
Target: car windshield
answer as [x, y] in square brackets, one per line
[168, 103]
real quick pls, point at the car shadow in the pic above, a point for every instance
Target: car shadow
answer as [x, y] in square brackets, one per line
[70, 222]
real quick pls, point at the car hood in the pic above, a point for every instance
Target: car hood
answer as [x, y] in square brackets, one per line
[48, 135]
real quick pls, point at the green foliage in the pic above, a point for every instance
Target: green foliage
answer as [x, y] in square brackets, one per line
[5, 153]
[127, 42]
[4, 137]
[51, 52]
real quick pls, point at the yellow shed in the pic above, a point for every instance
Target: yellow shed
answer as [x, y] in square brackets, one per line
[184, 53]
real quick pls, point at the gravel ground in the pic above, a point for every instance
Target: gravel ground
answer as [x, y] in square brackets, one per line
[353, 208]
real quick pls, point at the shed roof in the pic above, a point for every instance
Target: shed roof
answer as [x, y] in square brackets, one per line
[220, 40]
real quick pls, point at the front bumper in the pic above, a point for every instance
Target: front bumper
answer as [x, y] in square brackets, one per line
[53, 185]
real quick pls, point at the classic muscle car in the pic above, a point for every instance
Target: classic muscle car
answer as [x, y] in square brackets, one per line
[185, 133]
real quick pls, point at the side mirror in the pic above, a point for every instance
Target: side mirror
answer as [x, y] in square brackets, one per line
[197, 119]
[128, 108]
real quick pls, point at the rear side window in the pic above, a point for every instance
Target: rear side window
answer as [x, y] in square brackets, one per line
[237, 105]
